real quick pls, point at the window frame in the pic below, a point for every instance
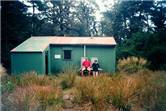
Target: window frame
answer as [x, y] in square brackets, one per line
[64, 54]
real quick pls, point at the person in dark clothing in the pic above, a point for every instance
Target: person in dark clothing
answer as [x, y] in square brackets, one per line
[95, 67]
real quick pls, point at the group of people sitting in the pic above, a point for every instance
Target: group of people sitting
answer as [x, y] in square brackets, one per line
[94, 67]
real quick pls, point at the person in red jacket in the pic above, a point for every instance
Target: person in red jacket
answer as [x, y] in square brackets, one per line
[86, 66]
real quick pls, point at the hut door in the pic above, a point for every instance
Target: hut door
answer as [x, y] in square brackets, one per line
[46, 63]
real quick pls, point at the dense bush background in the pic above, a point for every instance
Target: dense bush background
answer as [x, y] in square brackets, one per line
[139, 27]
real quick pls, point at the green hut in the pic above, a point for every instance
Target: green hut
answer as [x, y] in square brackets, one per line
[52, 54]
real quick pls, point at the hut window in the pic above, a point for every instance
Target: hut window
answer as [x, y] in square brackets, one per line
[67, 54]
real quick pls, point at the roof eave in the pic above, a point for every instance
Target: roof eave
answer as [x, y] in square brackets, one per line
[26, 51]
[86, 44]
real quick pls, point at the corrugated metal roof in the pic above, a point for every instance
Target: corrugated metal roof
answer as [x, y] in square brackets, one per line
[40, 43]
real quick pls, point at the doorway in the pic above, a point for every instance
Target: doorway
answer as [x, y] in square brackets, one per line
[46, 62]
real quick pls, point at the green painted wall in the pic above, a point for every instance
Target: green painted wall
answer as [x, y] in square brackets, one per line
[105, 54]
[57, 65]
[35, 61]
[27, 61]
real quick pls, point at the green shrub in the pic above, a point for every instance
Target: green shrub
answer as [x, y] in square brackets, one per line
[8, 83]
[7, 87]
[131, 64]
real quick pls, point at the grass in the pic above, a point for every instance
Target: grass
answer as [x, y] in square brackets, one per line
[93, 91]
[30, 92]
[124, 92]
[132, 64]
[2, 70]
[35, 97]
[141, 90]
[31, 78]
[68, 77]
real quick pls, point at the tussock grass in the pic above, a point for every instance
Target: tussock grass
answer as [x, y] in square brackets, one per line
[68, 77]
[2, 70]
[32, 78]
[31, 92]
[124, 92]
[33, 98]
[93, 91]
[22, 99]
[132, 64]
[142, 90]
